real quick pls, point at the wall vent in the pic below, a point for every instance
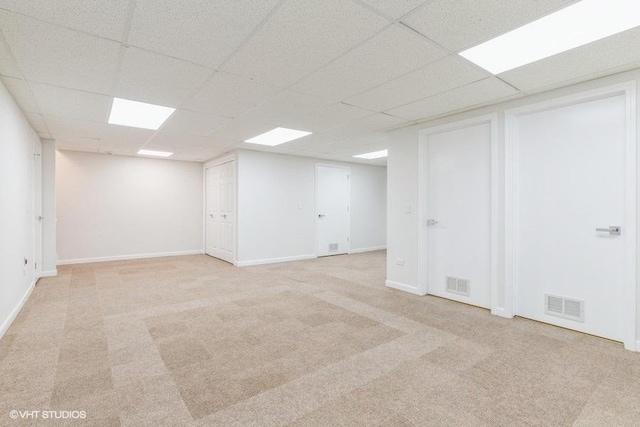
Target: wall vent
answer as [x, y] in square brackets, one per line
[567, 308]
[458, 286]
[333, 247]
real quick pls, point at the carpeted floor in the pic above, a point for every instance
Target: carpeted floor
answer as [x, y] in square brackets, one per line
[195, 341]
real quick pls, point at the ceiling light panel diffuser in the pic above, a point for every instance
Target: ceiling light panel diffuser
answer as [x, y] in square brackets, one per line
[155, 153]
[566, 29]
[375, 155]
[277, 136]
[138, 114]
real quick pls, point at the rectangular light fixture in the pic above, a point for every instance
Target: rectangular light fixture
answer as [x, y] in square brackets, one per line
[138, 114]
[568, 28]
[375, 155]
[277, 136]
[155, 153]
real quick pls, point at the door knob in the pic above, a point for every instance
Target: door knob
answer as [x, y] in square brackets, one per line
[431, 221]
[613, 230]
[321, 215]
[223, 215]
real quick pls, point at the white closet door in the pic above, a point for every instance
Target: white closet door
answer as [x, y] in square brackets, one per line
[333, 217]
[220, 221]
[459, 214]
[570, 197]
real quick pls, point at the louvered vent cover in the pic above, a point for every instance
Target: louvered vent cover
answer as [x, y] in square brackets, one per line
[458, 286]
[333, 247]
[567, 308]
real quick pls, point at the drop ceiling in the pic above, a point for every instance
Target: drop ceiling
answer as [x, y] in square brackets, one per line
[346, 70]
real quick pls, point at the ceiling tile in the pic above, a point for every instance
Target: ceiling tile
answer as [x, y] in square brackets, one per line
[105, 18]
[64, 127]
[158, 79]
[78, 144]
[38, 124]
[238, 131]
[381, 121]
[435, 78]
[229, 95]
[488, 90]
[165, 140]
[55, 55]
[72, 104]
[195, 123]
[301, 36]
[612, 54]
[201, 31]
[8, 66]
[328, 117]
[390, 54]
[21, 94]
[394, 8]
[284, 105]
[460, 24]
[124, 135]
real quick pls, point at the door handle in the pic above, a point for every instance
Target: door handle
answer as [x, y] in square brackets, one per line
[223, 215]
[614, 230]
[321, 215]
[431, 222]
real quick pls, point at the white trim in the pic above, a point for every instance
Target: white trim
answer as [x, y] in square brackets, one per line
[14, 313]
[407, 288]
[369, 249]
[274, 260]
[627, 89]
[128, 257]
[348, 168]
[49, 273]
[226, 158]
[496, 201]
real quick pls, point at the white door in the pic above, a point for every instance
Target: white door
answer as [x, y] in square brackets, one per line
[37, 207]
[220, 220]
[569, 191]
[333, 217]
[459, 214]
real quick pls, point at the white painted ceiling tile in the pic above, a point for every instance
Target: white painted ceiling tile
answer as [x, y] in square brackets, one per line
[72, 104]
[395, 8]
[328, 117]
[104, 18]
[302, 36]
[484, 91]
[21, 94]
[464, 23]
[115, 134]
[612, 54]
[284, 105]
[164, 140]
[61, 126]
[88, 145]
[158, 79]
[390, 54]
[50, 54]
[194, 123]
[443, 75]
[230, 95]
[239, 131]
[8, 67]
[201, 31]
[381, 121]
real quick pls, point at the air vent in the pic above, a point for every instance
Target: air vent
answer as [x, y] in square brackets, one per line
[458, 286]
[333, 247]
[567, 308]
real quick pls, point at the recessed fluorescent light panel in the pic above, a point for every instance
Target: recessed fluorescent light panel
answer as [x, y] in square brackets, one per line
[155, 153]
[568, 28]
[374, 155]
[138, 114]
[277, 136]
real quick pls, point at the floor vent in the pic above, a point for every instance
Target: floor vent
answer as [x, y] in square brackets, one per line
[567, 308]
[458, 286]
[333, 247]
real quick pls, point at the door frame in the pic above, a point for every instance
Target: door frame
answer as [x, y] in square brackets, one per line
[348, 168]
[496, 202]
[37, 217]
[208, 165]
[628, 90]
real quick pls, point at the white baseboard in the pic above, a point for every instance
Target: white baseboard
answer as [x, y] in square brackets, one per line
[274, 260]
[50, 273]
[127, 257]
[12, 316]
[404, 287]
[501, 312]
[370, 249]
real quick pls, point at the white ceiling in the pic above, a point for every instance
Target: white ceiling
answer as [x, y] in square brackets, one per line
[347, 70]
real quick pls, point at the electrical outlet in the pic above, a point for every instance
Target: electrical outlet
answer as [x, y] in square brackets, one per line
[400, 262]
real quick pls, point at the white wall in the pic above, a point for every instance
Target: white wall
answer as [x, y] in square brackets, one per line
[112, 207]
[276, 207]
[403, 222]
[17, 142]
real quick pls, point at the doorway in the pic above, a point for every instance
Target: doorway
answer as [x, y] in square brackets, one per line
[220, 211]
[332, 209]
[37, 207]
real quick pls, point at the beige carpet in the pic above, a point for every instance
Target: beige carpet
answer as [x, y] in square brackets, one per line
[195, 341]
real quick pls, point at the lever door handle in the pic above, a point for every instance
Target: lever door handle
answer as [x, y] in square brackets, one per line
[321, 215]
[613, 230]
